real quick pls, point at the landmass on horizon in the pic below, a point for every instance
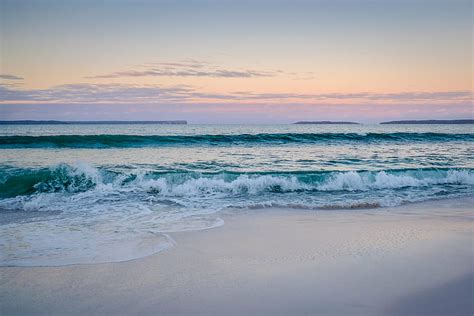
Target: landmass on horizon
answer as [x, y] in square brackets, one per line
[184, 122]
[53, 122]
[466, 121]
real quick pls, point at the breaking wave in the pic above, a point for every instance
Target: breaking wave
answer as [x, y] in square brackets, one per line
[78, 178]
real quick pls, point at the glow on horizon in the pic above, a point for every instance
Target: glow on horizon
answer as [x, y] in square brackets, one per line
[261, 61]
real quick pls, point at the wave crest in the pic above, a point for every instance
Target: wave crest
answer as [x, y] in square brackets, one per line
[83, 177]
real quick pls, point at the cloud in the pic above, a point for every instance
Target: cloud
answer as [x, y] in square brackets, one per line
[126, 93]
[145, 102]
[463, 95]
[187, 68]
[95, 93]
[218, 73]
[10, 77]
[232, 113]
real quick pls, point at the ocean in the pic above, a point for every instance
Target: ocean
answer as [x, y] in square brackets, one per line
[72, 194]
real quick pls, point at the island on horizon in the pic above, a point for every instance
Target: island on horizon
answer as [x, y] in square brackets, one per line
[53, 122]
[464, 121]
[324, 122]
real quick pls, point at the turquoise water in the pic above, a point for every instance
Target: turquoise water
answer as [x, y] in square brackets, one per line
[97, 193]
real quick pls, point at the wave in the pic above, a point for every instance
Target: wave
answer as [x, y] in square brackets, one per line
[78, 213]
[130, 141]
[81, 177]
[60, 178]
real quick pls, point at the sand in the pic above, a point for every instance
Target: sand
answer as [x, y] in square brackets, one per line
[411, 260]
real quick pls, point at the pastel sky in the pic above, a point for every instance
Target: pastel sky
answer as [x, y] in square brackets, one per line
[236, 61]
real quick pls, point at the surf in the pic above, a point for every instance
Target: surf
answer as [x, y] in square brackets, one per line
[81, 177]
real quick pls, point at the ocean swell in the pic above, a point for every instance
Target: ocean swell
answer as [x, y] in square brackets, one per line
[135, 141]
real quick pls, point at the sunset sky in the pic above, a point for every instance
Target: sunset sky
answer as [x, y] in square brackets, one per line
[236, 61]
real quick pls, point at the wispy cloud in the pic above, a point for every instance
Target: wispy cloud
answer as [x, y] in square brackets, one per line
[10, 77]
[227, 113]
[93, 93]
[187, 68]
[463, 95]
[126, 93]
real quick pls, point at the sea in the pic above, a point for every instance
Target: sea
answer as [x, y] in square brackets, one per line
[78, 194]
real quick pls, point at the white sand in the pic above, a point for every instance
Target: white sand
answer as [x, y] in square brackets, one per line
[410, 260]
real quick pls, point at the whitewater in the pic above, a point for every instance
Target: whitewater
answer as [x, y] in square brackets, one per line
[86, 194]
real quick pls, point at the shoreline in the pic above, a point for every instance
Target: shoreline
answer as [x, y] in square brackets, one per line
[276, 261]
[164, 240]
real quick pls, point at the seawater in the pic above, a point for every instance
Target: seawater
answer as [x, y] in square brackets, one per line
[99, 193]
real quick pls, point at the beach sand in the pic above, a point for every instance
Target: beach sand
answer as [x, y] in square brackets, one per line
[410, 260]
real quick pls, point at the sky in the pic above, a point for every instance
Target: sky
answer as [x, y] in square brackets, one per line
[236, 61]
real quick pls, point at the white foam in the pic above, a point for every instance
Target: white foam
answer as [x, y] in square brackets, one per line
[353, 181]
[205, 186]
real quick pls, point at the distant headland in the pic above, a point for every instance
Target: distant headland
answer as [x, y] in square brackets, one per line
[324, 122]
[430, 122]
[34, 122]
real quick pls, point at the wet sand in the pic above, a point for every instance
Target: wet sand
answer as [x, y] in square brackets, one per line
[411, 260]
